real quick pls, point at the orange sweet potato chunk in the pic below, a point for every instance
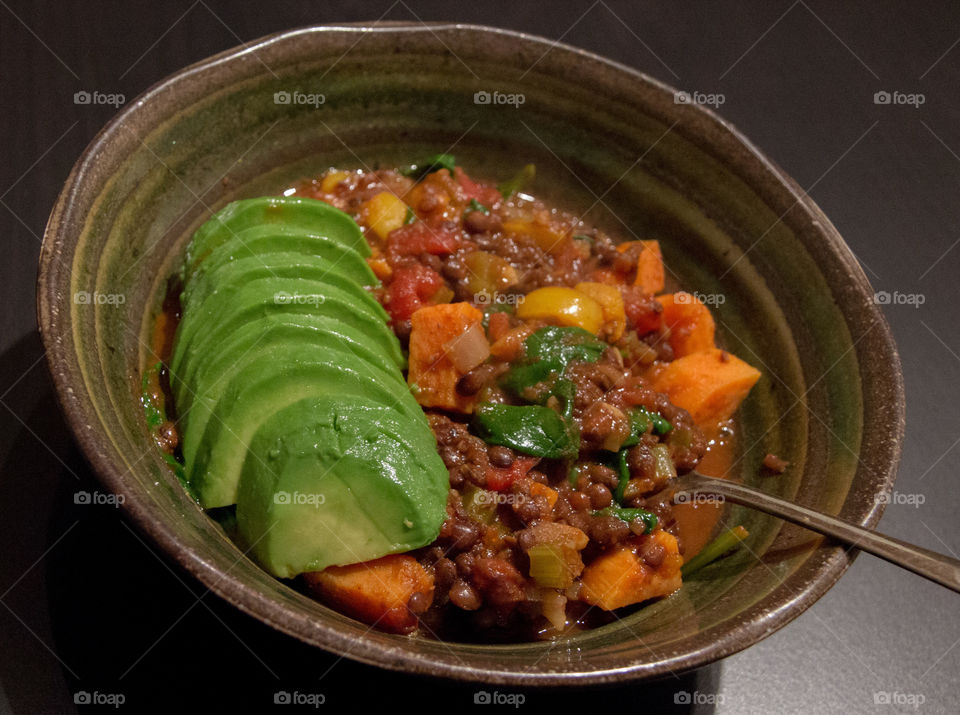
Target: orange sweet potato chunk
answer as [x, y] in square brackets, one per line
[376, 592]
[651, 274]
[433, 329]
[620, 577]
[691, 325]
[710, 385]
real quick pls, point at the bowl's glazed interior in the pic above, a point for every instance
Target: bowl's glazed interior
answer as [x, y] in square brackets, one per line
[607, 142]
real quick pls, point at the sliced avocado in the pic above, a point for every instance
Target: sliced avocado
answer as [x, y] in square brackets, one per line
[286, 373]
[309, 215]
[303, 341]
[275, 265]
[266, 385]
[216, 364]
[329, 481]
[276, 239]
[226, 310]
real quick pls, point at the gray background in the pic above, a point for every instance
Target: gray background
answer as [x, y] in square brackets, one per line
[87, 606]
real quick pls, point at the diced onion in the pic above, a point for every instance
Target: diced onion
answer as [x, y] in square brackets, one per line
[468, 349]
[555, 609]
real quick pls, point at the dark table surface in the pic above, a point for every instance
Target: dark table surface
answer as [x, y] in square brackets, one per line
[88, 607]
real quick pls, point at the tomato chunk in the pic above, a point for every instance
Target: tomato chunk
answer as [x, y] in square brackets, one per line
[501, 478]
[419, 238]
[409, 290]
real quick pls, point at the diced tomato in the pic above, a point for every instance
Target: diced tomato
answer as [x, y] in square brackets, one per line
[486, 195]
[500, 478]
[644, 313]
[418, 238]
[409, 289]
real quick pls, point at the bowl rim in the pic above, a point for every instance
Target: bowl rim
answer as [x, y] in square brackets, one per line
[751, 625]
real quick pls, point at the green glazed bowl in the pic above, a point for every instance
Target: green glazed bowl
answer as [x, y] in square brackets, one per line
[608, 142]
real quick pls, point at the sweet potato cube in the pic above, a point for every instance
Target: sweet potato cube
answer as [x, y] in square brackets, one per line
[710, 385]
[376, 592]
[434, 332]
[691, 324]
[619, 577]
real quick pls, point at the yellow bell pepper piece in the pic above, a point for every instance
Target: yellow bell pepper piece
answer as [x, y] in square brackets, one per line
[611, 302]
[562, 306]
[332, 180]
[546, 238]
[384, 212]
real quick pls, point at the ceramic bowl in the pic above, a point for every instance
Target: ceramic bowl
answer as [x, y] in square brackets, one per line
[609, 142]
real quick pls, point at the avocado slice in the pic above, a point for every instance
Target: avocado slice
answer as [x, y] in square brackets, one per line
[340, 483]
[276, 265]
[267, 384]
[218, 363]
[308, 215]
[226, 310]
[300, 335]
[300, 393]
[255, 242]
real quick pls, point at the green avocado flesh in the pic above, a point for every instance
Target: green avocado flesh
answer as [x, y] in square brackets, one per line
[206, 325]
[291, 212]
[329, 476]
[288, 380]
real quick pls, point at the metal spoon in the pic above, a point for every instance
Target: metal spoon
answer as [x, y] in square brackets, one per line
[929, 564]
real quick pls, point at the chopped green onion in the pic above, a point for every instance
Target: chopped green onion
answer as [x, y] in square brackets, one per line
[475, 205]
[410, 217]
[548, 567]
[583, 237]
[624, 470]
[639, 423]
[648, 518]
[573, 476]
[520, 180]
[434, 163]
[714, 550]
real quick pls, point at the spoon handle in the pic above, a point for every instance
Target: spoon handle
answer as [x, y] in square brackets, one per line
[929, 564]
